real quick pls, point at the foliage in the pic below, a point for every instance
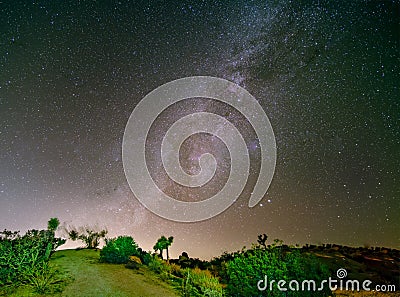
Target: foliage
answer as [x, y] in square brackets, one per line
[192, 282]
[53, 224]
[24, 258]
[42, 276]
[176, 270]
[145, 257]
[133, 262]
[157, 265]
[118, 250]
[89, 235]
[198, 282]
[250, 266]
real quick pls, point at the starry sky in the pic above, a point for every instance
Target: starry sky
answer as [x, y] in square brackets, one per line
[325, 72]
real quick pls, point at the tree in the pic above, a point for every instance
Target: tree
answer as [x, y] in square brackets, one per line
[53, 242]
[162, 244]
[53, 224]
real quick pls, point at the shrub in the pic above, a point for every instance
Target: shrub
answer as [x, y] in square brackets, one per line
[133, 262]
[20, 256]
[199, 282]
[118, 250]
[249, 267]
[145, 257]
[188, 289]
[176, 270]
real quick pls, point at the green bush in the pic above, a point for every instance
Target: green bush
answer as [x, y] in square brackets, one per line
[157, 265]
[146, 258]
[197, 282]
[134, 262]
[249, 267]
[24, 259]
[118, 250]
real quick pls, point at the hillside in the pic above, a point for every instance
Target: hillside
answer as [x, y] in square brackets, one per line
[87, 277]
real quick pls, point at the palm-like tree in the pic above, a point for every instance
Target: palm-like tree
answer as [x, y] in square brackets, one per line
[162, 244]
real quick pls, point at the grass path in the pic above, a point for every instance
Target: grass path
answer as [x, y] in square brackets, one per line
[91, 278]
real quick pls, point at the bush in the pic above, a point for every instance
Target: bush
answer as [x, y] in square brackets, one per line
[22, 258]
[176, 270]
[198, 282]
[249, 267]
[118, 250]
[133, 262]
[158, 266]
[145, 257]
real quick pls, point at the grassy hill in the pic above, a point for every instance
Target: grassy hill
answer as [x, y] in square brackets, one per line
[86, 276]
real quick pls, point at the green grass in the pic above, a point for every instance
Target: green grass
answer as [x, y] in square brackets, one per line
[85, 276]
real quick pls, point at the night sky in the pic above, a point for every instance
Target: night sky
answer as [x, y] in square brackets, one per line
[326, 74]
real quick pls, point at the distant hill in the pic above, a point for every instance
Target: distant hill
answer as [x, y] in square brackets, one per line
[380, 265]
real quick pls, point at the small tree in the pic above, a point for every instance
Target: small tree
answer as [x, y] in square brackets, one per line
[53, 242]
[53, 224]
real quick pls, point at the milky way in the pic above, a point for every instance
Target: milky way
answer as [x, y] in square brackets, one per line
[326, 74]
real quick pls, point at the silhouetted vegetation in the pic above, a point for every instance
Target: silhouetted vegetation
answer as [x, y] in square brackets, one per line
[162, 244]
[262, 239]
[89, 235]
